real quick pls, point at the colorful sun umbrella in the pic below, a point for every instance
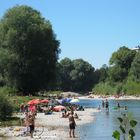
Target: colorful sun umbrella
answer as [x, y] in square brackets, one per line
[75, 101]
[66, 100]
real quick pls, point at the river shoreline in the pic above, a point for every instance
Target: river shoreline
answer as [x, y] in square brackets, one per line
[52, 126]
[109, 97]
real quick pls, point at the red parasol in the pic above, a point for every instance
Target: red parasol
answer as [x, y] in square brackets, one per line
[34, 101]
[44, 101]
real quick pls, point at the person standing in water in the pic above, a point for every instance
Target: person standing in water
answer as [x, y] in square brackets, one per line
[107, 104]
[72, 125]
[103, 104]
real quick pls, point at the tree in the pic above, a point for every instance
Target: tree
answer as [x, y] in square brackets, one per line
[76, 75]
[65, 67]
[103, 72]
[30, 38]
[82, 75]
[135, 68]
[123, 57]
[117, 74]
[121, 62]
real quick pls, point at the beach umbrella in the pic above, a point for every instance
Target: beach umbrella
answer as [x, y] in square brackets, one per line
[59, 108]
[44, 101]
[34, 101]
[66, 100]
[75, 101]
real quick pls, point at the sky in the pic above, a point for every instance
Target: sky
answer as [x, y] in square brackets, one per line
[88, 29]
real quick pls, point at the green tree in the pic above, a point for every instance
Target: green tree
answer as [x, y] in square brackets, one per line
[135, 68]
[117, 74]
[65, 67]
[82, 75]
[120, 62]
[103, 72]
[30, 38]
[123, 57]
[76, 75]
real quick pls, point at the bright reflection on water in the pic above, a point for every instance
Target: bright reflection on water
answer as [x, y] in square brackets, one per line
[106, 122]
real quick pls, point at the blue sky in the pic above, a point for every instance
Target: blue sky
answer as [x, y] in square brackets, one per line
[89, 29]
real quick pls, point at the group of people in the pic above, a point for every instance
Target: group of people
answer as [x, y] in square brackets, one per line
[66, 114]
[105, 104]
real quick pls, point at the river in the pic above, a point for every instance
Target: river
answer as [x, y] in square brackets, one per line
[106, 121]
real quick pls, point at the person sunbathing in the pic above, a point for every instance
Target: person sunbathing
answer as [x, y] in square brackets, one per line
[63, 115]
[76, 116]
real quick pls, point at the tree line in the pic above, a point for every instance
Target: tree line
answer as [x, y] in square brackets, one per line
[29, 53]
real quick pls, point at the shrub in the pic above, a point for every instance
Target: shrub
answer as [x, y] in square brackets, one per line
[127, 128]
[104, 88]
[6, 108]
[132, 88]
[7, 91]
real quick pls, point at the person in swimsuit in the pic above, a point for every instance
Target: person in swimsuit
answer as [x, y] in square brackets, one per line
[72, 125]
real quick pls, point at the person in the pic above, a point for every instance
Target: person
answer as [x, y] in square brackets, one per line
[26, 122]
[118, 104]
[72, 125]
[107, 104]
[99, 108]
[22, 108]
[103, 104]
[76, 116]
[65, 112]
[125, 107]
[26, 108]
[63, 115]
[31, 124]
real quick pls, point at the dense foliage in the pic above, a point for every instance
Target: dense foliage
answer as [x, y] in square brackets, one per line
[28, 50]
[75, 75]
[123, 74]
[6, 108]
[28, 60]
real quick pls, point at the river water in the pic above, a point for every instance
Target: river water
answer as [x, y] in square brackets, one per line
[106, 121]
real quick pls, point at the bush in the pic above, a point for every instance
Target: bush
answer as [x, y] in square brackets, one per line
[132, 88]
[7, 91]
[104, 88]
[6, 108]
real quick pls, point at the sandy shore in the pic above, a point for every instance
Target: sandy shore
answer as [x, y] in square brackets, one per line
[54, 127]
[110, 97]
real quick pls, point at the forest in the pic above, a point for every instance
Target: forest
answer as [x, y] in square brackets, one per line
[29, 61]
